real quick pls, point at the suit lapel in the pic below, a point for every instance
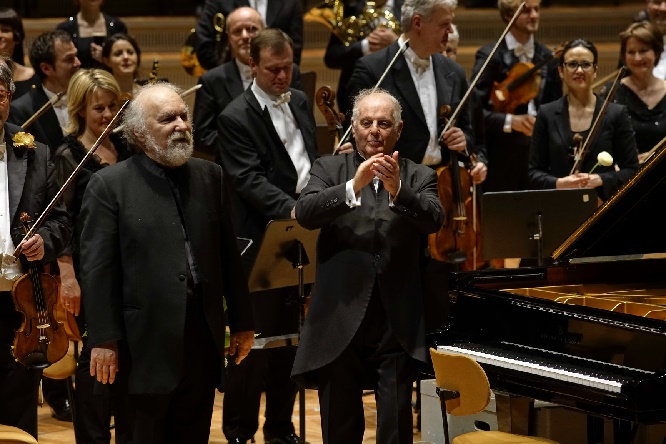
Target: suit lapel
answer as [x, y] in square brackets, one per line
[264, 116]
[17, 168]
[444, 83]
[47, 121]
[404, 83]
[235, 83]
[562, 122]
[272, 10]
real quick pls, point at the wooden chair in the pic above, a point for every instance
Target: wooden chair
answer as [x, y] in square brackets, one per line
[14, 435]
[463, 389]
[63, 369]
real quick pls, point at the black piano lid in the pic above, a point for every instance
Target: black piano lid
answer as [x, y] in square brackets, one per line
[629, 223]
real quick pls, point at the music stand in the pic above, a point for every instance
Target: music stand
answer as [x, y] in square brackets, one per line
[285, 247]
[528, 224]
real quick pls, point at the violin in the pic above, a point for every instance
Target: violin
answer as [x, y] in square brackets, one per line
[41, 340]
[522, 84]
[325, 100]
[459, 238]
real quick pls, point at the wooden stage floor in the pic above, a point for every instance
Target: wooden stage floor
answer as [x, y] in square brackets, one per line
[52, 431]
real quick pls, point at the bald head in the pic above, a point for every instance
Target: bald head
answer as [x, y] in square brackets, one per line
[242, 25]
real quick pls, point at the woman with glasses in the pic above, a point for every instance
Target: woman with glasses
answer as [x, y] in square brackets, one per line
[644, 95]
[554, 139]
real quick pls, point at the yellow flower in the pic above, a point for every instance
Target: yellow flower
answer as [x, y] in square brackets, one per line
[603, 158]
[24, 140]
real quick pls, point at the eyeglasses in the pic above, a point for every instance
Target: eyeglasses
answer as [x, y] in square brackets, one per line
[573, 65]
[4, 96]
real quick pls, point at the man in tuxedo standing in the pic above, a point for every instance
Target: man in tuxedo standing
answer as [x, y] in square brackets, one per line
[222, 84]
[53, 57]
[28, 185]
[266, 145]
[365, 323]
[158, 254]
[286, 15]
[508, 134]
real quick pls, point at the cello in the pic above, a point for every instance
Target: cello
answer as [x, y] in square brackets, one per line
[325, 100]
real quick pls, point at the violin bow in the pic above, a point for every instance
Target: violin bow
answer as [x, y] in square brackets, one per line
[580, 154]
[38, 223]
[52, 101]
[472, 85]
[402, 49]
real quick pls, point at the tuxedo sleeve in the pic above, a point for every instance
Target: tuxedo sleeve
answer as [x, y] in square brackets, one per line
[362, 78]
[101, 274]
[204, 120]
[624, 152]
[418, 200]
[248, 174]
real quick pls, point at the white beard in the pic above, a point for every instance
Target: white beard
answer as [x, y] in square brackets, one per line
[176, 152]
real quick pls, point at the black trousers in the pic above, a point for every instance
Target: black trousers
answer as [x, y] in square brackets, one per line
[19, 385]
[184, 415]
[275, 313]
[373, 360]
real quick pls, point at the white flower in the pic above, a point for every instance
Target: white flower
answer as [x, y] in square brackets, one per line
[605, 159]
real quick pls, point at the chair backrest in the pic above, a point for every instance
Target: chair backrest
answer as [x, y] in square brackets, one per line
[464, 375]
[309, 84]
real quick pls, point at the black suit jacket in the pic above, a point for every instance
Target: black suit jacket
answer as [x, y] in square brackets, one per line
[451, 84]
[260, 170]
[286, 15]
[342, 57]
[358, 247]
[551, 153]
[508, 152]
[32, 186]
[134, 266]
[219, 87]
[46, 128]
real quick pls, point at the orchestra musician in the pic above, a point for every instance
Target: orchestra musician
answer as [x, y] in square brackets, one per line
[12, 37]
[53, 57]
[508, 133]
[655, 13]
[157, 224]
[93, 99]
[342, 57]
[224, 83]
[266, 144]
[364, 328]
[29, 186]
[641, 45]
[122, 56]
[286, 15]
[552, 150]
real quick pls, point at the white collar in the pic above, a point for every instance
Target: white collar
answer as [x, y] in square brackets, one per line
[512, 43]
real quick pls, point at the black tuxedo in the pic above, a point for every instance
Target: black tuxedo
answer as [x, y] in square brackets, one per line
[132, 249]
[551, 148]
[342, 57]
[219, 87]
[264, 180]
[31, 185]
[286, 15]
[451, 85]
[365, 255]
[508, 152]
[46, 128]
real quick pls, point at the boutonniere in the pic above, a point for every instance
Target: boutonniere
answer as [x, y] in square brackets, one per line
[24, 140]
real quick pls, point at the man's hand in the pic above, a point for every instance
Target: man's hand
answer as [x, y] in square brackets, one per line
[33, 248]
[104, 362]
[240, 344]
[380, 38]
[479, 172]
[365, 173]
[523, 123]
[454, 138]
[387, 169]
[70, 291]
[345, 148]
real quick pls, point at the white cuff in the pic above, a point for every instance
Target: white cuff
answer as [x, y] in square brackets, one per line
[393, 198]
[350, 197]
[365, 46]
[507, 123]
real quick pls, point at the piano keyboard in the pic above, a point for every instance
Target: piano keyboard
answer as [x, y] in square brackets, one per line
[542, 367]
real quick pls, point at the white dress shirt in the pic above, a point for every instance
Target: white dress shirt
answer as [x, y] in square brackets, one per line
[60, 109]
[424, 81]
[245, 73]
[260, 6]
[290, 134]
[10, 270]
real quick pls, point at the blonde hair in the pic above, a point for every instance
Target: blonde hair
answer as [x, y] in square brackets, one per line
[84, 83]
[507, 8]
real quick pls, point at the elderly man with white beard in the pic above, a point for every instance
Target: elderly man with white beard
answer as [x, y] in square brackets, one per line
[158, 253]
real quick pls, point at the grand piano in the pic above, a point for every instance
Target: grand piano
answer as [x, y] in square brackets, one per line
[588, 332]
